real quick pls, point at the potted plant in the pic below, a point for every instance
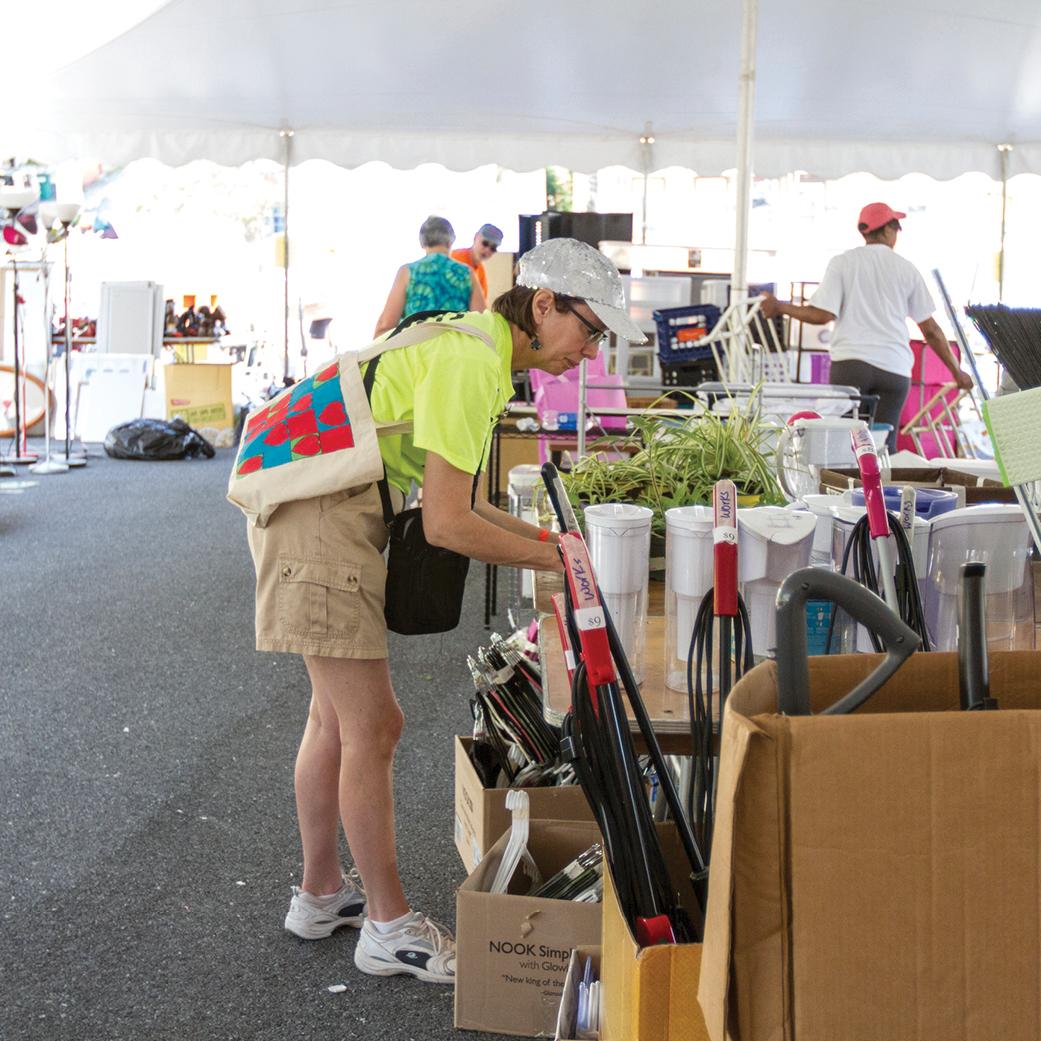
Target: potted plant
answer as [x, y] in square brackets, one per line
[665, 462]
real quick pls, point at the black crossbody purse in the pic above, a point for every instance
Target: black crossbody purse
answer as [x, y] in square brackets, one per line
[425, 584]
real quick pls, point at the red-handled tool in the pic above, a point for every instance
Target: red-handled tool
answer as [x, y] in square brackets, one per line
[724, 548]
[560, 613]
[724, 560]
[588, 612]
[878, 517]
[653, 931]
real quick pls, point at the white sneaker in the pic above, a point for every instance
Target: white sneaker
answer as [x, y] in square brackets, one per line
[422, 948]
[314, 917]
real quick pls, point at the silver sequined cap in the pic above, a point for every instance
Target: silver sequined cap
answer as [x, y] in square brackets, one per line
[576, 269]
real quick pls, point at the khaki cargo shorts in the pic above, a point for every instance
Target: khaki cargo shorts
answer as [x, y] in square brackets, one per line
[321, 575]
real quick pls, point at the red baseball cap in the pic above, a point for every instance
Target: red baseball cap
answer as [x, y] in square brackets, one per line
[877, 215]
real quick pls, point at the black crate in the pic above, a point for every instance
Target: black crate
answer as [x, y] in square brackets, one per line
[690, 373]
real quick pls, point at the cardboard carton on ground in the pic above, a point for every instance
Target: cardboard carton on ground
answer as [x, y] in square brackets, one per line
[650, 994]
[481, 815]
[875, 876]
[569, 998]
[200, 395]
[512, 951]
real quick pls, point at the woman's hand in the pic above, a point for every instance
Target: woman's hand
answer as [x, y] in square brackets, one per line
[483, 532]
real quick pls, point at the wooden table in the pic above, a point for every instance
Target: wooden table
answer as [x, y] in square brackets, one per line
[668, 710]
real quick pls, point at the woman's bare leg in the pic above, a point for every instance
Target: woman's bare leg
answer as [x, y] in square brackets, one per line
[317, 781]
[355, 700]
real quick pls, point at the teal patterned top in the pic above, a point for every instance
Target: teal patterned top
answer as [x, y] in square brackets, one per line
[437, 283]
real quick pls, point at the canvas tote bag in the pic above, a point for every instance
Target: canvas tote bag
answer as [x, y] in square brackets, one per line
[318, 436]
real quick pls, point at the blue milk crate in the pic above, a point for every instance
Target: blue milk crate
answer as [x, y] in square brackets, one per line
[682, 332]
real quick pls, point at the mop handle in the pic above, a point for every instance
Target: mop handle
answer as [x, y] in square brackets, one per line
[589, 614]
[724, 549]
[560, 613]
[871, 479]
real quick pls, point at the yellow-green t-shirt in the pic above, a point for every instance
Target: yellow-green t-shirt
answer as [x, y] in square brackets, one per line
[452, 388]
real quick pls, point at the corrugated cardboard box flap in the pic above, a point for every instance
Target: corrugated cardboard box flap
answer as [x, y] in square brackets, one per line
[906, 869]
[713, 986]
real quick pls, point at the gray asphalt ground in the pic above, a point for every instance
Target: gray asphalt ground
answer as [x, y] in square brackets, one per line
[148, 834]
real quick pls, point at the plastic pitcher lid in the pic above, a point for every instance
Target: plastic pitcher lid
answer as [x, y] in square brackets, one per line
[695, 519]
[526, 475]
[929, 502]
[837, 423]
[821, 505]
[618, 515]
[776, 524]
[999, 512]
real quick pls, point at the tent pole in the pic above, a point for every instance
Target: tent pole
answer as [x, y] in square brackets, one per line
[746, 106]
[287, 152]
[1003, 152]
[647, 155]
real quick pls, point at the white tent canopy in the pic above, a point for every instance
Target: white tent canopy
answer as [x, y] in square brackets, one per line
[882, 86]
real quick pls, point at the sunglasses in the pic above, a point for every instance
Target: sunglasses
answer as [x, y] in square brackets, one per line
[490, 245]
[595, 335]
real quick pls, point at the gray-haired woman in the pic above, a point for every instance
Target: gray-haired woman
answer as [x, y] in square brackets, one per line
[434, 283]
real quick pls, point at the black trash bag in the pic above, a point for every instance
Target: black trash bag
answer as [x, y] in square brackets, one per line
[156, 439]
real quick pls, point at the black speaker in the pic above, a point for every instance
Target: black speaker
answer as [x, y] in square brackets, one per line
[592, 228]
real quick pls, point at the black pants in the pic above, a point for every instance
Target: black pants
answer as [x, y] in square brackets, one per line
[891, 389]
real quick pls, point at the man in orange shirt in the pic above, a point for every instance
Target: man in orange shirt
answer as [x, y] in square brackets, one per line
[487, 240]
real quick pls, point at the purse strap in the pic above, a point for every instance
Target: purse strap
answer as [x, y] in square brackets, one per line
[422, 321]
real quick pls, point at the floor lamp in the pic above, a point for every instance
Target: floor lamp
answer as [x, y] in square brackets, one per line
[48, 465]
[20, 453]
[66, 213]
[17, 191]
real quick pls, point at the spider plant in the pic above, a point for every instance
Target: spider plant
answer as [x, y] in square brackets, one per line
[665, 462]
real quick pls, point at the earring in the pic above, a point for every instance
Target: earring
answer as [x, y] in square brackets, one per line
[536, 344]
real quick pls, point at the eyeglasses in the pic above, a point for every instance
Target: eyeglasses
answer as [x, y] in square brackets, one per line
[595, 335]
[493, 246]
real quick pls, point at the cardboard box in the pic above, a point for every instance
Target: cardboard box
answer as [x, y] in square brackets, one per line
[569, 998]
[649, 994]
[200, 395]
[875, 876]
[481, 815]
[512, 952]
[971, 488]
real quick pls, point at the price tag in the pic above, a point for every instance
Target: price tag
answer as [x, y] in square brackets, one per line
[587, 618]
[863, 442]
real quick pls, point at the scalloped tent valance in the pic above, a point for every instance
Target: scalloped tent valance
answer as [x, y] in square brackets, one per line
[842, 86]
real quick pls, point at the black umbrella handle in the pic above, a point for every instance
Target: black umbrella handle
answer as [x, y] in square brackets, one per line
[793, 670]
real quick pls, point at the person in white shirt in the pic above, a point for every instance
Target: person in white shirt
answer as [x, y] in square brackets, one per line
[869, 292]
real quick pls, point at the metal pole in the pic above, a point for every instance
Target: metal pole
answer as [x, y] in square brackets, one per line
[647, 155]
[1003, 153]
[287, 150]
[746, 108]
[17, 367]
[745, 129]
[581, 418]
[68, 350]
